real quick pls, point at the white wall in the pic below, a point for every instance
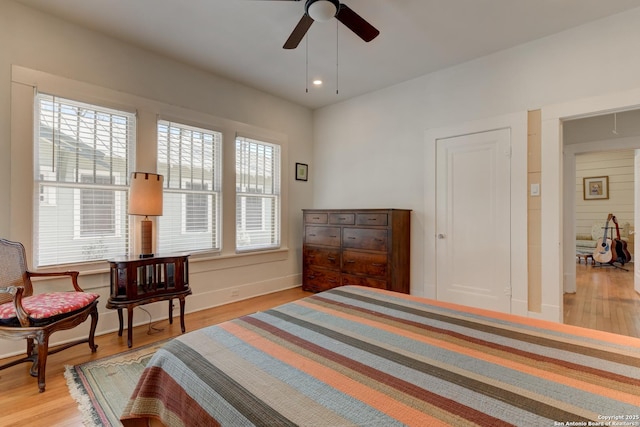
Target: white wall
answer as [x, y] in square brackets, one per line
[618, 166]
[366, 152]
[36, 41]
[382, 163]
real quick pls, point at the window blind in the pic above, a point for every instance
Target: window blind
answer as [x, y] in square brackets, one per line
[82, 163]
[257, 195]
[189, 158]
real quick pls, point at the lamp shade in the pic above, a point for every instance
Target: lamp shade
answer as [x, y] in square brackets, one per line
[322, 10]
[145, 194]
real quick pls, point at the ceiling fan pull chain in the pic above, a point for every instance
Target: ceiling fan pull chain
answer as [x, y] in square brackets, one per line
[306, 38]
[337, 57]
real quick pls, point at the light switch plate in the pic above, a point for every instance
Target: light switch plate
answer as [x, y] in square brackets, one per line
[535, 189]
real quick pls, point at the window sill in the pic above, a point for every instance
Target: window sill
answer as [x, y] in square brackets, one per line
[197, 263]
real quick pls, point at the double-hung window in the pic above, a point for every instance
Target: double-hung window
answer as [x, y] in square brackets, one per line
[189, 159]
[82, 160]
[257, 195]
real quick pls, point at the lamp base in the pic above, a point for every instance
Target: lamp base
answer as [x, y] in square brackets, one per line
[146, 246]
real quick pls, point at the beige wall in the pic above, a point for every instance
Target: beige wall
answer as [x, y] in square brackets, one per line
[380, 164]
[36, 41]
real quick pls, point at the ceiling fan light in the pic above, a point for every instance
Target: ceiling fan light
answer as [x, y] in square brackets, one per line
[322, 10]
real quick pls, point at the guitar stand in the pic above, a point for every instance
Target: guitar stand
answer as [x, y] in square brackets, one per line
[610, 264]
[608, 244]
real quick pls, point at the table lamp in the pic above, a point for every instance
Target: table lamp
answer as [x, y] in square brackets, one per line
[145, 198]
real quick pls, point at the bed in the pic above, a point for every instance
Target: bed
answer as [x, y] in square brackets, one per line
[356, 356]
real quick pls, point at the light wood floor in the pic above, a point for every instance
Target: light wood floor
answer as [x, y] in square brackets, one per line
[605, 300]
[22, 405]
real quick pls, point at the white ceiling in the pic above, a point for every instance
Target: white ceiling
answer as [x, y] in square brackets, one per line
[623, 124]
[242, 39]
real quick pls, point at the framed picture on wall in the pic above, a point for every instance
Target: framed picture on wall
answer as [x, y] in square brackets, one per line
[595, 188]
[302, 171]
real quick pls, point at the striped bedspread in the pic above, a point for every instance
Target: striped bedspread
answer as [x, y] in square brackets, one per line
[355, 356]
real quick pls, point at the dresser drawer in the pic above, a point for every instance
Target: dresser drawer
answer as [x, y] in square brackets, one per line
[316, 218]
[327, 236]
[319, 279]
[365, 238]
[348, 279]
[364, 263]
[322, 257]
[362, 247]
[372, 219]
[342, 218]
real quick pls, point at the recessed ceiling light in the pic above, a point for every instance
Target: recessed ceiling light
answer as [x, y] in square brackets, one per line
[317, 82]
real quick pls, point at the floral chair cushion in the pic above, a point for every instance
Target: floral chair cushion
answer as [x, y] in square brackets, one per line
[47, 306]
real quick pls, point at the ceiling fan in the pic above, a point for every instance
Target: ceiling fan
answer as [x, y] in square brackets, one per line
[324, 10]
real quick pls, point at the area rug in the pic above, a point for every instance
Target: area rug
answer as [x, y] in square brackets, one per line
[102, 387]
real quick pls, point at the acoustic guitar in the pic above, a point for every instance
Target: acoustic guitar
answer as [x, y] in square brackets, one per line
[620, 245]
[605, 252]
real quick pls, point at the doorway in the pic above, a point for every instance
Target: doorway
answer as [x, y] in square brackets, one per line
[516, 126]
[610, 142]
[600, 149]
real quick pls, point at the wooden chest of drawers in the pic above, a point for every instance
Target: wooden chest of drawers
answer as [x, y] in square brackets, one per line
[367, 247]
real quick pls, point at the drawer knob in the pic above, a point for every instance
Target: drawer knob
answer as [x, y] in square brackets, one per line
[375, 264]
[312, 235]
[350, 261]
[330, 258]
[351, 237]
[333, 237]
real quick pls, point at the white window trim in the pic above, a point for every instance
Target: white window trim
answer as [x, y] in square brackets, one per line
[24, 81]
[218, 194]
[278, 220]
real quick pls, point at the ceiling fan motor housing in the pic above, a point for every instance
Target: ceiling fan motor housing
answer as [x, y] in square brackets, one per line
[322, 10]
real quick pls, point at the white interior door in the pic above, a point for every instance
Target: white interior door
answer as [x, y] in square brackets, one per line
[473, 261]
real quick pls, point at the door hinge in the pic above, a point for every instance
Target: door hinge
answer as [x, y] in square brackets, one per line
[507, 290]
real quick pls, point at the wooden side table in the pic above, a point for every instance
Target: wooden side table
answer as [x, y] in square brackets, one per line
[137, 281]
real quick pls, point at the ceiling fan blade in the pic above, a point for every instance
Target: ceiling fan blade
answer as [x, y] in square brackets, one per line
[356, 23]
[298, 32]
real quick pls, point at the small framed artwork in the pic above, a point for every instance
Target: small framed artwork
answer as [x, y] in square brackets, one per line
[302, 172]
[595, 188]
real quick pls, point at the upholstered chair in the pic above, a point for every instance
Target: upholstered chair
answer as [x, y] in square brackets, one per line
[34, 317]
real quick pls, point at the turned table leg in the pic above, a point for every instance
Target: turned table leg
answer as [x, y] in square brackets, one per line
[129, 326]
[121, 320]
[182, 313]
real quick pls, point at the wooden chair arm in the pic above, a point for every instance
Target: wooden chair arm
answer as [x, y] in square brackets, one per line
[72, 274]
[16, 293]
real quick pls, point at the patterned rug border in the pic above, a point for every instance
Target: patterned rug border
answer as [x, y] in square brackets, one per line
[91, 403]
